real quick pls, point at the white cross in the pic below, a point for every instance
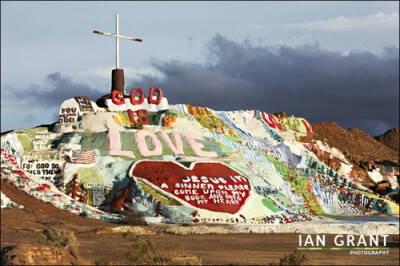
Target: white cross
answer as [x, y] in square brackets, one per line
[117, 37]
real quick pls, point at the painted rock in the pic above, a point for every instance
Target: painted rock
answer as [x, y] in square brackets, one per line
[212, 186]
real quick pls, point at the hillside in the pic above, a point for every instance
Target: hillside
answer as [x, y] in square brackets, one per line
[186, 163]
[390, 138]
[355, 144]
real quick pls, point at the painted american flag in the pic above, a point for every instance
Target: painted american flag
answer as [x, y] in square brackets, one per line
[86, 156]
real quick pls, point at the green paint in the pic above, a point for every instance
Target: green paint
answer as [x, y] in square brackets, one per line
[32, 131]
[280, 167]
[283, 197]
[25, 142]
[89, 176]
[226, 149]
[47, 154]
[233, 138]
[154, 118]
[157, 195]
[267, 203]
[149, 143]
[128, 143]
[210, 145]
[65, 138]
[125, 158]
[95, 141]
[185, 164]
[89, 196]
[301, 188]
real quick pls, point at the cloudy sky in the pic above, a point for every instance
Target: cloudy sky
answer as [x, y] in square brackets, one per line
[324, 61]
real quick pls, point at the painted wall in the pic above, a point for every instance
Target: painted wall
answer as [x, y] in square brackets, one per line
[184, 163]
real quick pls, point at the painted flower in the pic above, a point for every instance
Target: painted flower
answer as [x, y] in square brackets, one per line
[19, 172]
[169, 120]
[46, 186]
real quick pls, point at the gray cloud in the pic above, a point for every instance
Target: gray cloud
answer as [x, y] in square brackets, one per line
[358, 90]
[56, 90]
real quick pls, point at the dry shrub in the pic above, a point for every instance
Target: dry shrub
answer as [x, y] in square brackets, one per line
[133, 218]
[176, 257]
[145, 251]
[60, 238]
[294, 258]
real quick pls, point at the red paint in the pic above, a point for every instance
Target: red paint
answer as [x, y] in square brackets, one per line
[75, 188]
[117, 98]
[307, 125]
[19, 172]
[142, 116]
[120, 202]
[159, 97]
[131, 116]
[46, 186]
[85, 105]
[132, 96]
[208, 176]
[271, 122]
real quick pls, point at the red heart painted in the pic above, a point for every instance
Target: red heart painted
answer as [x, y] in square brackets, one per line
[207, 185]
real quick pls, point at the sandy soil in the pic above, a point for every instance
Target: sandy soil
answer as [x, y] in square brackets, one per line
[24, 226]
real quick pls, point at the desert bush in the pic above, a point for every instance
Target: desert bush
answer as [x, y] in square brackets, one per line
[176, 257]
[145, 251]
[294, 258]
[60, 238]
[133, 218]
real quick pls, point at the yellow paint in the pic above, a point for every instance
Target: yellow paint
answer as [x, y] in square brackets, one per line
[117, 121]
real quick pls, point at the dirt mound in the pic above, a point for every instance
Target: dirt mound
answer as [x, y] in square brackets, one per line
[41, 213]
[357, 145]
[390, 138]
[36, 254]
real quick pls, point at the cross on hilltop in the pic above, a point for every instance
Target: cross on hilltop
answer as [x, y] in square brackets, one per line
[117, 75]
[117, 37]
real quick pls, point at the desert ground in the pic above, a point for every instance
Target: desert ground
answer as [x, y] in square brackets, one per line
[98, 245]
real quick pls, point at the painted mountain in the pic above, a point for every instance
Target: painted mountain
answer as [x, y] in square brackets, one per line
[186, 163]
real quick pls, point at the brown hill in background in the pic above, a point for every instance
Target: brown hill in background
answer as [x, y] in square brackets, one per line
[390, 138]
[357, 145]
